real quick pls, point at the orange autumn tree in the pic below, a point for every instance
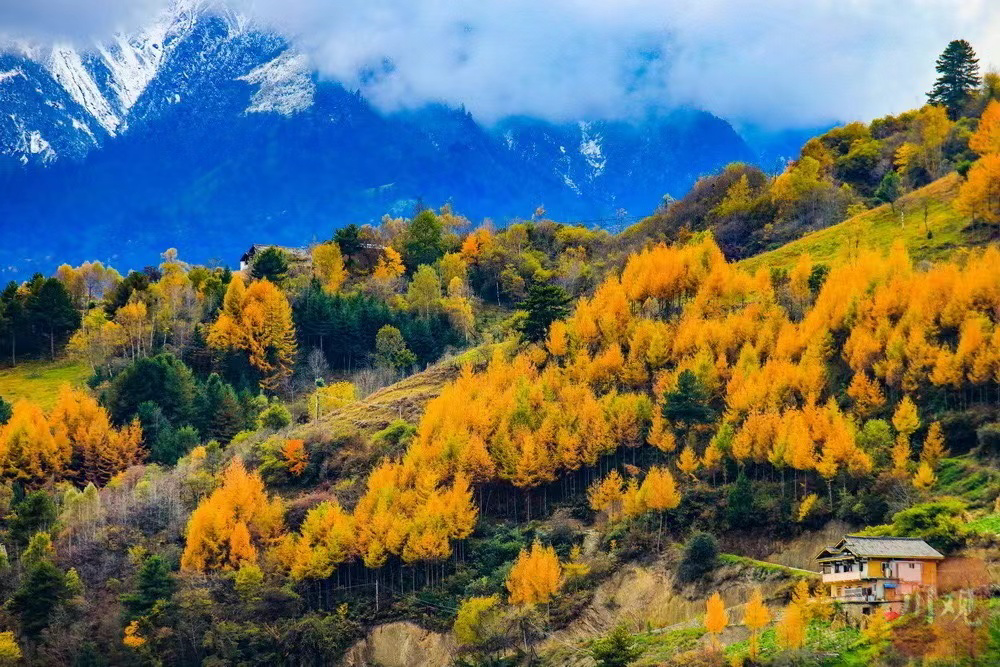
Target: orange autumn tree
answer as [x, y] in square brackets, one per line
[536, 576]
[232, 524]
[295, 456]
[607, 495]
[257, 320]
[979, 195]
[99, 450]
[29, 452]
[756, 616]
[716, 617]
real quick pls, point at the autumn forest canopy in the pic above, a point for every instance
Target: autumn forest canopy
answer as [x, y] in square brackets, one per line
[481, 430]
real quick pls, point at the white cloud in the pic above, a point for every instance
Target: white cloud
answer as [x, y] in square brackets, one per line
[779, 62]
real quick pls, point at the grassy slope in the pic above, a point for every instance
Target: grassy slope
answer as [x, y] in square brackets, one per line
[404, 399]
[880, 227]
[39, 381]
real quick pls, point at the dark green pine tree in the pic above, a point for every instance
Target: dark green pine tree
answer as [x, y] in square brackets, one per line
[43, 590]
[545, 304]
[52, 310]
[272, 264]
[958, 76]
[616, 650]
[154, 584]
[687, 404]
[223, 415]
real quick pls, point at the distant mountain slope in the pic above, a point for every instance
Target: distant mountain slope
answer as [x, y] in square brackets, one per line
[207, 133]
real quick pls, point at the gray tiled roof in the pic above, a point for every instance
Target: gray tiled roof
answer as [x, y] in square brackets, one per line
[888, 547]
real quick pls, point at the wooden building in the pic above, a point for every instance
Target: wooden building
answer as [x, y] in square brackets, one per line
[878, 573]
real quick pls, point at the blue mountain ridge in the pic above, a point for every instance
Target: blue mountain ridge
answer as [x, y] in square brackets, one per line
[208, 135]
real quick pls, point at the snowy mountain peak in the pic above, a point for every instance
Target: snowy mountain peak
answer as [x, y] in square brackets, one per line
[285, 85]
[67, 67]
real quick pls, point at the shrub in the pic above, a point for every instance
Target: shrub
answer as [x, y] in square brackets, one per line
[616, 650]
[941, 523]
[988, 437]
[701, 555]
[275, 417]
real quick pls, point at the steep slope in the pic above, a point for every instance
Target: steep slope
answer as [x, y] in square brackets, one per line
[924, 219]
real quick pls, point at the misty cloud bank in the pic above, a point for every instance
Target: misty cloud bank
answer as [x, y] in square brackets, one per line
[784, 63]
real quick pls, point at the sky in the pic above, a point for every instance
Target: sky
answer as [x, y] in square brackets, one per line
[773, 63]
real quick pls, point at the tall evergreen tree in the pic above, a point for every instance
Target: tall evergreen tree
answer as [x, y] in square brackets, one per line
[545, 304]
[154, 584]
[43, 590]
[52, 311]
[687, 404]
[271, 263]
[958, 76]
[423, 243]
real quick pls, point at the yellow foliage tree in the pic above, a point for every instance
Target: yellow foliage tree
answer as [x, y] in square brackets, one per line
[756, 616]
[934, 448]
[979, 195]
[29, 452]
[606, 495]
[925, 477]
[905, 419]
[328, 265]
[97, 340]
[388, 270]
[688, 462]
[716, 617]
[901, 456]
[535, 577]
[791, 628]
[132, 637]
[226, 527]
[258, 321]
[986, 138]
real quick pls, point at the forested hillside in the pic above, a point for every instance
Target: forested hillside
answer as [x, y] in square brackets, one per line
[541, 444]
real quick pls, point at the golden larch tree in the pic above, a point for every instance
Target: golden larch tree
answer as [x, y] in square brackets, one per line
[328, 266]
[535, 577]
[688, 462]
[257, 320]
[979, 195]
[231, 524]
[934, 448]
[716, 617]
[791, 628]
[29, 452]
[606, 495]
[99, 450]
[924, 478]
[756, 616]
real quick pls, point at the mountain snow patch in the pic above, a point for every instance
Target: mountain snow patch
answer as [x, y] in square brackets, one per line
[68, 69]
[590, 148]
[286, 85]
[10, 74]
[39, 146]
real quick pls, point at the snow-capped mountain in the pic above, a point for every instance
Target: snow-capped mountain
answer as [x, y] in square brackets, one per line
[205, 128]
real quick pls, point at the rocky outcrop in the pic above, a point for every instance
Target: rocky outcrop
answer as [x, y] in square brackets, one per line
[401, 644]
